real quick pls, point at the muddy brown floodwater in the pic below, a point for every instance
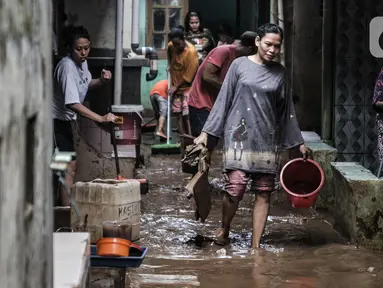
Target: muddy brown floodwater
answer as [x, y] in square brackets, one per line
[300, 247]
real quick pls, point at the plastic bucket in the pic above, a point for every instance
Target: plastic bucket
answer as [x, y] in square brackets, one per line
[302, 181]
[117, 229]
[113, 247]
[129, 131]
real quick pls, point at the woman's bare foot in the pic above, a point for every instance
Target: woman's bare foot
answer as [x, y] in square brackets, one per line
[161, 134]
[221, 238]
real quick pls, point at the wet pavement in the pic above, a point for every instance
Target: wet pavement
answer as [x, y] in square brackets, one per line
[299, 247]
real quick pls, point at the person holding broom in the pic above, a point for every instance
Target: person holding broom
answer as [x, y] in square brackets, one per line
[182, 66]
[255, 114]
[159, 100]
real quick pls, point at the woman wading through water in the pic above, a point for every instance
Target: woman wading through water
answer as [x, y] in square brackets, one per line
[254, 112]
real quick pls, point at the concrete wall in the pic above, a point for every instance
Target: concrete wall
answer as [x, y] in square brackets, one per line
[306, 61]
[99, 17]
[25, 144]
[358, 203]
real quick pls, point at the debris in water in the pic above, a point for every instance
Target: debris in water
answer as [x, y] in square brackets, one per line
[221, 252]
[371, 269]
[361, 270]
[199, 240]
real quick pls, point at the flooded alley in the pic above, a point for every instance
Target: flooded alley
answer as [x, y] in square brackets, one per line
[300, 247]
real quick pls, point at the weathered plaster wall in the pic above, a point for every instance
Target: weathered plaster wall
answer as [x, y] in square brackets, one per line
[99, 17]
[25, 144]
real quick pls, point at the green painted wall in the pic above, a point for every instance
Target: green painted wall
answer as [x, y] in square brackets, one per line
[145, 85]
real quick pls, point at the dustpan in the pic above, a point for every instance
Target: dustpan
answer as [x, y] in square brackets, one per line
[200, 190]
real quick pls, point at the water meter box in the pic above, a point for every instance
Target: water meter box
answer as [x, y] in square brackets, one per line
[107, 200]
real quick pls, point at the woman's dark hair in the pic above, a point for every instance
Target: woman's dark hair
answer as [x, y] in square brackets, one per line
[177, 33]
[72, 33]
[187, 21]
[269, 28]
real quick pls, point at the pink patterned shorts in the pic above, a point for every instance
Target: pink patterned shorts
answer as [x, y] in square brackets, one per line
[236, 182]
[180, 103]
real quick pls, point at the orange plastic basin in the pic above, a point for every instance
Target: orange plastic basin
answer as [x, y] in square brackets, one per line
[113, 247]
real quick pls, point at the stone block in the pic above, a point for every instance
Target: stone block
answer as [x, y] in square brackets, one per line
[310, 136]
[93, 165]
[106, 200]
[358, 204]
[324, 155]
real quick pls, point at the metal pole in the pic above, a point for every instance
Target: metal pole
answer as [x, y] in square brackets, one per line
[273, 12]
[169, 110]
[118, 52]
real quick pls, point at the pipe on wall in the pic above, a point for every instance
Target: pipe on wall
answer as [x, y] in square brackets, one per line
[118, 52]
[148, 52]
[151, 54]
[273, 11]
[135, 24]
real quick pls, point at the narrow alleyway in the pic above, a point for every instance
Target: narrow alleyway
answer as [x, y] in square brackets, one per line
[301, 249]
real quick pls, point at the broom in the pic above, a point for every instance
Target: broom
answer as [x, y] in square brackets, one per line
[167, 148]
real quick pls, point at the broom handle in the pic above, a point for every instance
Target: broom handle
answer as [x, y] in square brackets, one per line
[169, 110]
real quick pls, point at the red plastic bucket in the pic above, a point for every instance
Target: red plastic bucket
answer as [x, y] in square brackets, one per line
[302, 181]
[129, 132]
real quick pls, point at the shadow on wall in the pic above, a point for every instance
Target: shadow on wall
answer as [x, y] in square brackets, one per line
[96, 16]
[212, 15]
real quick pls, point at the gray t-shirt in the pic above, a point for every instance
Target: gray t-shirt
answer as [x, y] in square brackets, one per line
[70, 86]
[255, 114]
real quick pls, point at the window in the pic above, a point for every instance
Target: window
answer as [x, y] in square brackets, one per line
[163, 16]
